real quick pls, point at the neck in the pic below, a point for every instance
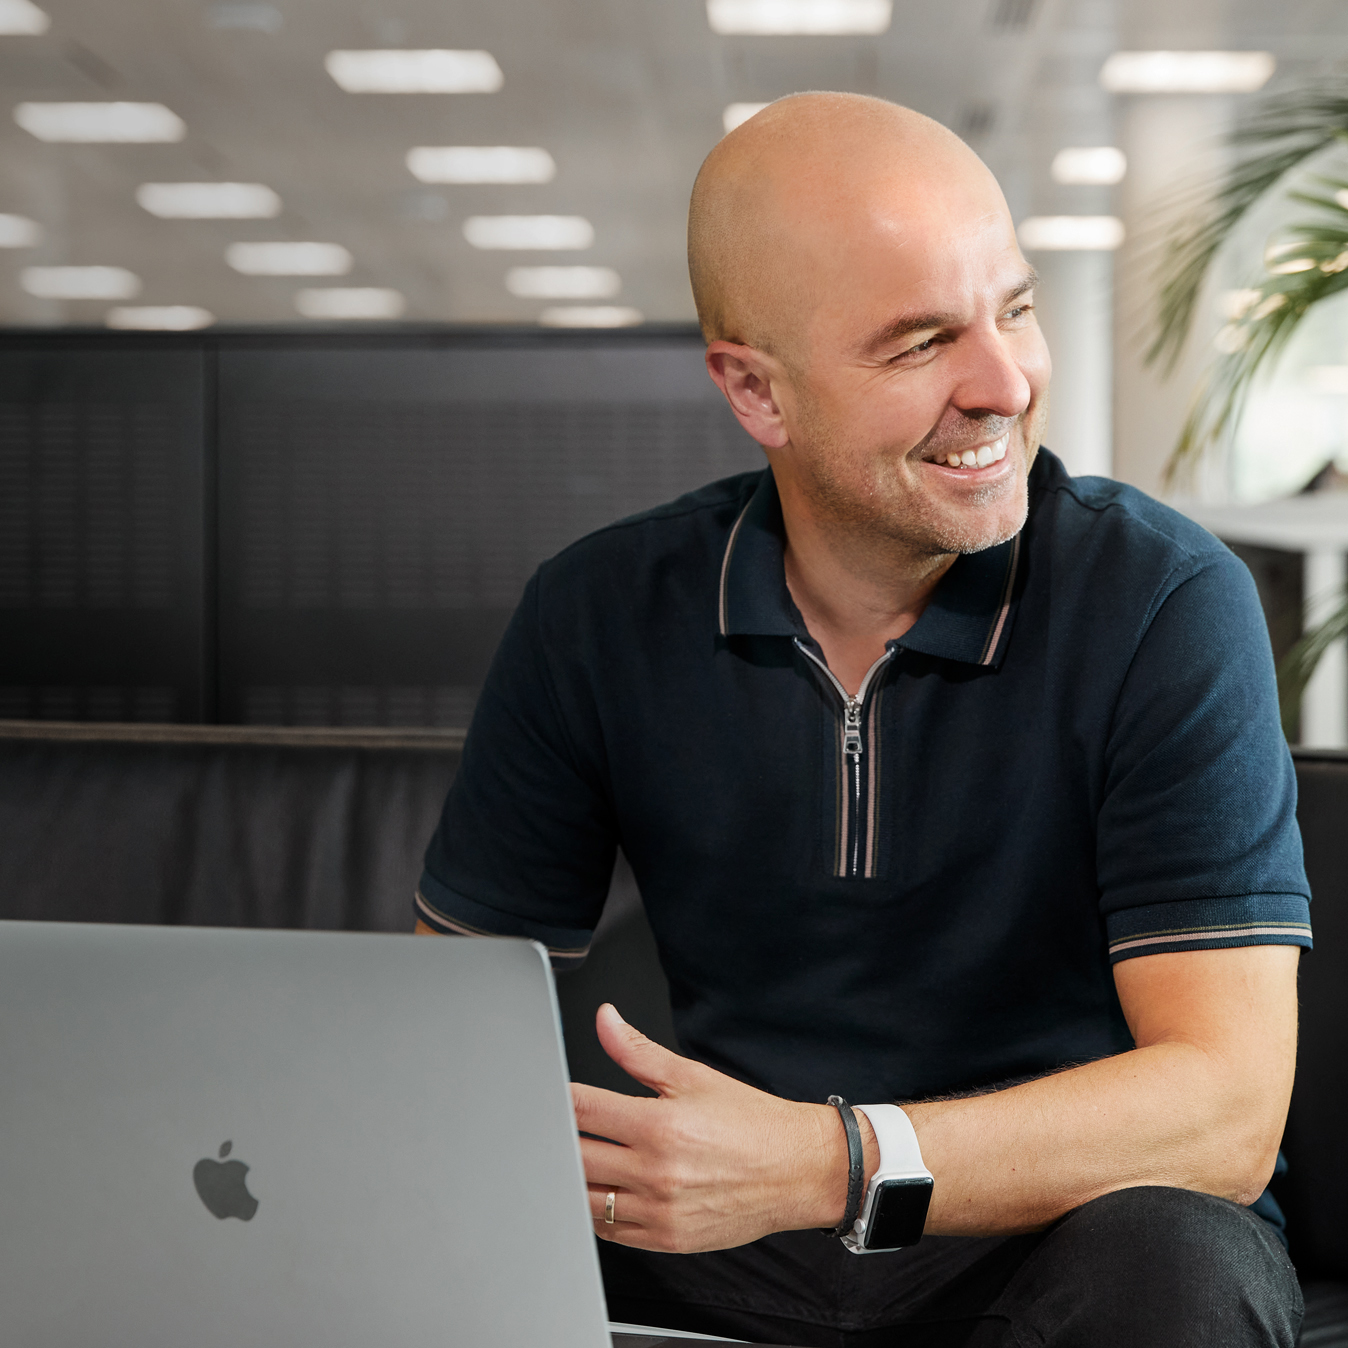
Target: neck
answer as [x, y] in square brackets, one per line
[855, 591]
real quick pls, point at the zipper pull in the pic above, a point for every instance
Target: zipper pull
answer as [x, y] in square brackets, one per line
[852, 728]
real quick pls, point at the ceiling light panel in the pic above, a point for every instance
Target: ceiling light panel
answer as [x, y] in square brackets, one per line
[289, 259]
[563, 283]
[1070, 233]
[736, 114]
[1097, 164]
[481, 164]
[1187, 72]
[591, 316]
[528, 231]
[209, 201]
[353, 302]
[818, 18]
[22, 18]
[80, 283]
[18, 231]
[100, 123]
[159, 318]
[415, 72]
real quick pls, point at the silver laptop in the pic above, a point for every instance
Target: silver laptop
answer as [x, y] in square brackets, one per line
[248, 1139]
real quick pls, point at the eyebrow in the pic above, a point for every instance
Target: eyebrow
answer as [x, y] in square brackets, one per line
[910, 323]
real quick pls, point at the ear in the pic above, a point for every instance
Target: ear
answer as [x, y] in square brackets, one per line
[751, 383]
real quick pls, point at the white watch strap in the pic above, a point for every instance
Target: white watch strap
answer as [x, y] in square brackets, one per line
[899, 1152]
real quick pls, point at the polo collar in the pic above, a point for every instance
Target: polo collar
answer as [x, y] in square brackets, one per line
[968, 618]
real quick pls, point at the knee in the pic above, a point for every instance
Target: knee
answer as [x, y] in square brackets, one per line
[1175, 1266]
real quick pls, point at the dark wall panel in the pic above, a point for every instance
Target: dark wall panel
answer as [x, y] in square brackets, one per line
[103, 602]
[382, 509]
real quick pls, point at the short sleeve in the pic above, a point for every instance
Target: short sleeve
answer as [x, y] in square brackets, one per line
[1197, 844]
[526, 841]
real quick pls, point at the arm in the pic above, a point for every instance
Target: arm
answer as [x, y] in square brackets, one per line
[1199, 1104]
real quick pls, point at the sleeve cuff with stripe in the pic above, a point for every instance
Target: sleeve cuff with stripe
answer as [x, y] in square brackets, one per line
[1209, 924]
[453, 914]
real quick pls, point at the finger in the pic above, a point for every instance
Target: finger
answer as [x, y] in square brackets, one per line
[653, 1066]
[610, 1167]
[610, 1114]
[628, 1209]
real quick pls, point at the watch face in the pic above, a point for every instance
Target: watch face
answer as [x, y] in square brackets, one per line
[899, 1213]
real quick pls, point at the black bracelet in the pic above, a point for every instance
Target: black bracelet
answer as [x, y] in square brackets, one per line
[856, 1167]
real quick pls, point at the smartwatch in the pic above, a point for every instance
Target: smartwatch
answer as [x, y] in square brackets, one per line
[895, 1207]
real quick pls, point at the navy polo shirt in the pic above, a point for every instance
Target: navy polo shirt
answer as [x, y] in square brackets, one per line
[1072, 758]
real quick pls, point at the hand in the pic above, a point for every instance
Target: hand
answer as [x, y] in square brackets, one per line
[711, 1163]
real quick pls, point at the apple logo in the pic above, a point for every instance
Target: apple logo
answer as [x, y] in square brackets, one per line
[223, 1186]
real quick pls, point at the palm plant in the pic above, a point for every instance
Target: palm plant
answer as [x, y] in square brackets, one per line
[1308, 264]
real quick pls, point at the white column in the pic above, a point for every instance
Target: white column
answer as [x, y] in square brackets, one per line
[1324, 708]
[1075, 304]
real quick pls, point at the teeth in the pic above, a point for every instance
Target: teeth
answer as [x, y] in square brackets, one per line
[980, 458]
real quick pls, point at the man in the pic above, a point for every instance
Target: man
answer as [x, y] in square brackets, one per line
[906, 738]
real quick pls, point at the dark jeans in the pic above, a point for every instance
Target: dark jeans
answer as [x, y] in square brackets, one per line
[1153, 1267]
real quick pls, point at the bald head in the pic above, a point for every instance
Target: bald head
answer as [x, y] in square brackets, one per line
[783, 201]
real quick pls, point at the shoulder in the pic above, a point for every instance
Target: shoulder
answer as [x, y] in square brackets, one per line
[1119, 539]
[693, 527]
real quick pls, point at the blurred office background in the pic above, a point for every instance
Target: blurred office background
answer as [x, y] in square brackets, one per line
[323, 323]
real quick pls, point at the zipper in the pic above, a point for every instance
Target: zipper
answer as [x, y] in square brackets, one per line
[854, 711]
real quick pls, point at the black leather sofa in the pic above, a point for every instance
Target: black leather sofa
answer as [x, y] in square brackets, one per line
[225, 826]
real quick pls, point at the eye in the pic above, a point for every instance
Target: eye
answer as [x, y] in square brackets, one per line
[1019, 311]
[920, 349]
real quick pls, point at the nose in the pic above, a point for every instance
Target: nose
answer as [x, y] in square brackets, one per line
[990, 380]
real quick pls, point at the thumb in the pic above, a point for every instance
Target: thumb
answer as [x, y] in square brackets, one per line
[664, 1072]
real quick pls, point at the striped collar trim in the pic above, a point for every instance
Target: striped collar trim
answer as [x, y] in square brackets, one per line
[968, 618]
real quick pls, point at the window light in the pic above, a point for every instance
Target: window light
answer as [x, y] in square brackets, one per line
[209, 201]
[354, 302]
[1102, 164]
[18, 231]
[591, 316]
[739, 113]
[563, 283]
[80, 283]
[22, 18]
[528, 231]
[818, 18]
[159, 318]
[1082, 233]
[100, 123]
[289, 259]
[481, 164]
[415, 72]
[1187, 72]
[1329, 379]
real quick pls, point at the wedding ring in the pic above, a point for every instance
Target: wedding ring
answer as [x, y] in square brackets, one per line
[609, 1201]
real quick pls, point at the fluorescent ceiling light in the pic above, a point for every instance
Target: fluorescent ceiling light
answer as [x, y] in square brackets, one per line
[351, 302]
[1089, 164]
[1083, 233]
[245, 16]
[1187, 72]
[739, 113]
[18, 231]
[100, 123]
[22, 18]
[563, 283]
[481, 164]
[816, 17]
[289, 259]
[209, 201]
[591, 316]
[80, 283]
[528, 231]
[415, 72]
[159, 318]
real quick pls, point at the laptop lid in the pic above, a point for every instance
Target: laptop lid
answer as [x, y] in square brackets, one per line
[243, 1139]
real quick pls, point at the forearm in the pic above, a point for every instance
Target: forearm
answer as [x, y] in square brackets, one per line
[1169, 1114]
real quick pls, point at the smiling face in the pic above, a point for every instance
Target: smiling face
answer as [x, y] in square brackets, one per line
[893, 335]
